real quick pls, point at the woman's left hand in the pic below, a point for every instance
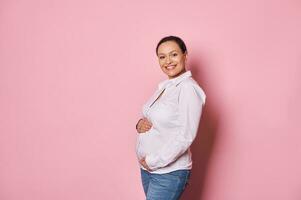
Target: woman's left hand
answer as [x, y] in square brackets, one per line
[144, 164]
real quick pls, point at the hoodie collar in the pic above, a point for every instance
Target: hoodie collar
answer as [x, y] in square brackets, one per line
[174, 81]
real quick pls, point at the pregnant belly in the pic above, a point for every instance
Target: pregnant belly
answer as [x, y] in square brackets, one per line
[149, 142]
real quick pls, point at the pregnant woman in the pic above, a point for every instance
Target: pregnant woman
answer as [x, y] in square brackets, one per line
[169, 125]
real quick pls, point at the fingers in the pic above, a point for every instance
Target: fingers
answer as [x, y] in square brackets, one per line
[144, 164]
[147, 125]
[144, 125]
[145, 120]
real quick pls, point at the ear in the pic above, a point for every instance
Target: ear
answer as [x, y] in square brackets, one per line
[186, 55]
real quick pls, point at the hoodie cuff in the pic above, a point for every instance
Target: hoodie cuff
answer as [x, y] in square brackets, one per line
[152, 162]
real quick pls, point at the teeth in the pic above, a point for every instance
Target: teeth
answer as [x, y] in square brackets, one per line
[170, 66]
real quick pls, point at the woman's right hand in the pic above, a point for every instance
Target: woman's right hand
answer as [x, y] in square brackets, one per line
[143, 125]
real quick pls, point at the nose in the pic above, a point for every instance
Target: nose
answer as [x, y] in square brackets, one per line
[167, 59]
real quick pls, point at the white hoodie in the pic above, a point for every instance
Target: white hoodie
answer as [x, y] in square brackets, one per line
[175, 119]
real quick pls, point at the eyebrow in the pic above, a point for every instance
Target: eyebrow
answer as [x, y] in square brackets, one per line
[164, 54]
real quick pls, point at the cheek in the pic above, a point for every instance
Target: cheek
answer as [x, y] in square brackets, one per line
[161, 63]
[177, 59]
[182, 61]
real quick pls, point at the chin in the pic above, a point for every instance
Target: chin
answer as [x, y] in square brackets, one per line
[172, 74]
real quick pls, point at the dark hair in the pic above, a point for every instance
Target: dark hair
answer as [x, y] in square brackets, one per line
[176, 39]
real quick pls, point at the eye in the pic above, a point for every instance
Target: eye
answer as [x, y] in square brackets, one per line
[174, 54]
[161, 57]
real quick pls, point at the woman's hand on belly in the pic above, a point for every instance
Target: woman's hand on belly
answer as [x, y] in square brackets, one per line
[143, 125]
[144, 164]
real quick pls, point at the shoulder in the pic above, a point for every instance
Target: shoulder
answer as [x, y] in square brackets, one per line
[190, 86]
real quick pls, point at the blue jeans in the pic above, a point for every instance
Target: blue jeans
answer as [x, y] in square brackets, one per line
[168, 186]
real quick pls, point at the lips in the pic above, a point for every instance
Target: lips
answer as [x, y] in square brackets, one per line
[169, 67]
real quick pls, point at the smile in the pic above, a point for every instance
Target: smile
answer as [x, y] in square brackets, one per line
[170, 67]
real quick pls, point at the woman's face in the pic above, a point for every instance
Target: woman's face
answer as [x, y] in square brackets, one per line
[171, 59]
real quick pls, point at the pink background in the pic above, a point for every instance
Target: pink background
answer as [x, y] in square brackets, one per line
[74, 76]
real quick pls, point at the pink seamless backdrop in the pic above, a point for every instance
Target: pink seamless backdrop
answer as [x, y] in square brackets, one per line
[74, 76]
